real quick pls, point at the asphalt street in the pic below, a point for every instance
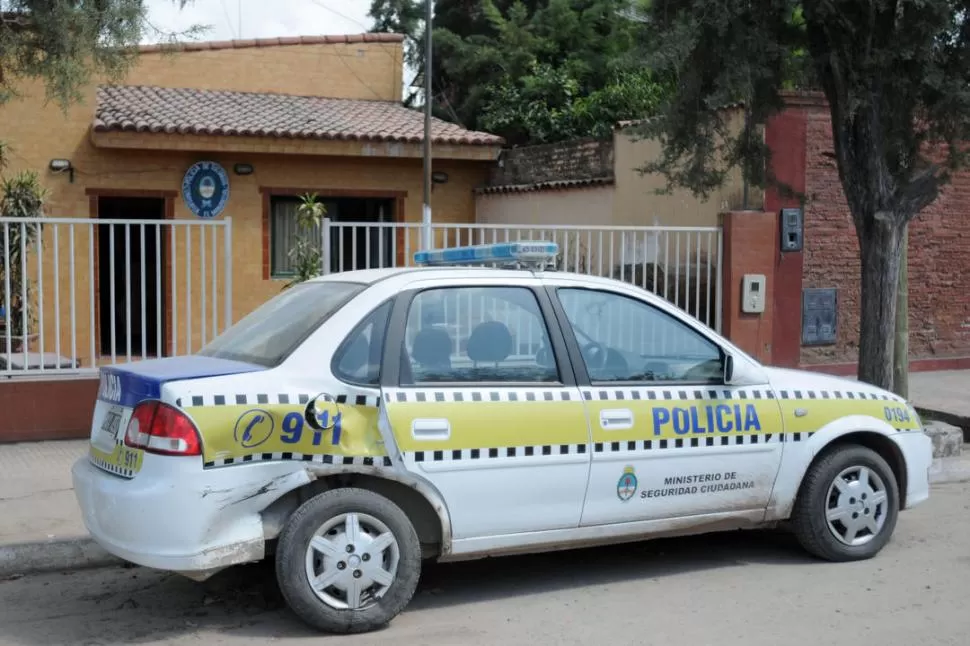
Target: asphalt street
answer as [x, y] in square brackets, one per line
[751, 588]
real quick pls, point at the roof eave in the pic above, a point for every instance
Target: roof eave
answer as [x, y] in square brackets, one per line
[346, 145]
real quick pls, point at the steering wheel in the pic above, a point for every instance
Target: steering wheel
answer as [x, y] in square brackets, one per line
[656, 371]
[596, 355]
[711, 369]
[544, 357]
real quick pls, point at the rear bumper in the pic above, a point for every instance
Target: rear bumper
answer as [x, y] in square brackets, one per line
[917, 449]
[175, 516]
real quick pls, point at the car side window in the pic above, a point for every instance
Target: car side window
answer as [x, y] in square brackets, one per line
[358, 359]
[477, 334]
[625, 339]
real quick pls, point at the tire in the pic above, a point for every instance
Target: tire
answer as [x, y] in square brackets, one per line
[328, 611]
[819, 494]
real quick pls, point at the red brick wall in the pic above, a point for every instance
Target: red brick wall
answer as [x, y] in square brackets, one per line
[939, 259]
[46, 410]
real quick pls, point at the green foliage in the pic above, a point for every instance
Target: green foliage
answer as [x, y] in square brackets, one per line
[534, 70]
[546, 105]
[895, 74]
[66, 43]
[306, 253]
[21, 196]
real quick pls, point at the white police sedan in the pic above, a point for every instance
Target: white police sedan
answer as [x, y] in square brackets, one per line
[325, 427]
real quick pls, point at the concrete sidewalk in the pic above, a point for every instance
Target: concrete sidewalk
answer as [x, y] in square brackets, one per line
[40, 523]
[946, 393]
[41, 527]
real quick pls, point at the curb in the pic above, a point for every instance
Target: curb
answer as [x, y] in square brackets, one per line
[961, 422]
[53, 556]
[947, 470]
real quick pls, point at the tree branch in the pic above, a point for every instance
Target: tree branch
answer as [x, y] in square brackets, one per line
[921, 191]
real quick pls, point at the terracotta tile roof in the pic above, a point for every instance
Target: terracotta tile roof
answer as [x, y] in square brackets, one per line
[147, 109]
[557, 185]
[273, 42]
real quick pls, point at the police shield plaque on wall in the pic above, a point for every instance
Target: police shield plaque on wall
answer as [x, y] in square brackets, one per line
[205, 189]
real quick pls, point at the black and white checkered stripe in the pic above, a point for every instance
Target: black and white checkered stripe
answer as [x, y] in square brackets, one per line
[453, 395]
[736, 394]
[112, 468]
[267, 398]
[493, 453]
[673, 394]
[316, 458]
[602, 393]
[748, 439]
[837, 394]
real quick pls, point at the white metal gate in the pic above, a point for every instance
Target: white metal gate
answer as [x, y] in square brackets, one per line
[681, 264]
[77, 293]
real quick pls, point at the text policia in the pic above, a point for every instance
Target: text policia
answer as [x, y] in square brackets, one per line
[703, 483]
[706, 419]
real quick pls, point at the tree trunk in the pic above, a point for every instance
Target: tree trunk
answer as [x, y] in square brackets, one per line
[901, 344]
[879, 247]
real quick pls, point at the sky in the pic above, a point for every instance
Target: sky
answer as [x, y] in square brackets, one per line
[262, 18]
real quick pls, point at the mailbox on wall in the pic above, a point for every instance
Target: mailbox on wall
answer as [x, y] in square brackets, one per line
[792, 229]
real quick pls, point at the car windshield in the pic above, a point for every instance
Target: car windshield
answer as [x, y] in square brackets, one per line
[268, 334]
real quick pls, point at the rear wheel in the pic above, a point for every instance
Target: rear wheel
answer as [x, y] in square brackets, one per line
[848, 505]
[348, 561]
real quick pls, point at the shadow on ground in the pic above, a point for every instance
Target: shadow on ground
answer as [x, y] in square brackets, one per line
[134, 605]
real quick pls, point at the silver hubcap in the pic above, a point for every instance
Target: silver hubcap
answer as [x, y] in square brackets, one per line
[352, 561]
[856, 506]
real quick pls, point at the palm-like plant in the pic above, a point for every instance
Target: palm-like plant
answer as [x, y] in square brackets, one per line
[21, 196]
[306, 253]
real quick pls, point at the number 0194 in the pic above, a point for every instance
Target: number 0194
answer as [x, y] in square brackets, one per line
[896, 414]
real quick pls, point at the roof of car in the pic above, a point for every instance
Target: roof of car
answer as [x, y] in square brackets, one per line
[369, 276]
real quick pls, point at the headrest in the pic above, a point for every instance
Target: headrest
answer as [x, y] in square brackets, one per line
[432, 348]
[490, 341]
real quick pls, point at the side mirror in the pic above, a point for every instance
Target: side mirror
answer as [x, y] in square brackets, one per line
[321, 412]
[728, 368]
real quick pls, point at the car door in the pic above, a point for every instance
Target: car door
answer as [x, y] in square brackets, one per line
[670, 439]
[482, 403]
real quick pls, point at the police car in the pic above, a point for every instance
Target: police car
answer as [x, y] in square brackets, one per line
[362, 422]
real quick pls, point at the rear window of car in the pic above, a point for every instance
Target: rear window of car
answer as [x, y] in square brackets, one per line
[270, 333]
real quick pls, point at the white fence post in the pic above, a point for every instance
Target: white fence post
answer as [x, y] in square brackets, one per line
[325, 242]
[227, 269]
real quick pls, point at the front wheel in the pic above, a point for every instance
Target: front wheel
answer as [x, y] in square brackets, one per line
[848, 505]
[348, 561]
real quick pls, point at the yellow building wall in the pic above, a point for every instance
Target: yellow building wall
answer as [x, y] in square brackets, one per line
[37, 133]
[636, 202]
[632, 200]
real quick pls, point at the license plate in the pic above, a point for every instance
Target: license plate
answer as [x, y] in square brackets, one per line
[112, 422]
[107, 436]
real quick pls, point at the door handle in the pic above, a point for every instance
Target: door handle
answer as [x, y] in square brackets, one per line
[430, 429]
[616, 419]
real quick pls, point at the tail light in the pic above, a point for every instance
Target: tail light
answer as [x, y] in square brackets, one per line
[159, 428]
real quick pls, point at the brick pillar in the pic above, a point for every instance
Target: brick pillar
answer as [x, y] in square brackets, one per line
[786, 137]
[750, 240]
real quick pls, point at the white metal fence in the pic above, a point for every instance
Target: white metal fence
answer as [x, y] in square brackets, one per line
[77, 293]
[681, 264]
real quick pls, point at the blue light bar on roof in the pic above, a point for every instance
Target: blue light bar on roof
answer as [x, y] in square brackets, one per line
[535, 252]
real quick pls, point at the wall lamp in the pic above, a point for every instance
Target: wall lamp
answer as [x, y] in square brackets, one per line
[243, 169]
[62, 165]
[439, 177]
